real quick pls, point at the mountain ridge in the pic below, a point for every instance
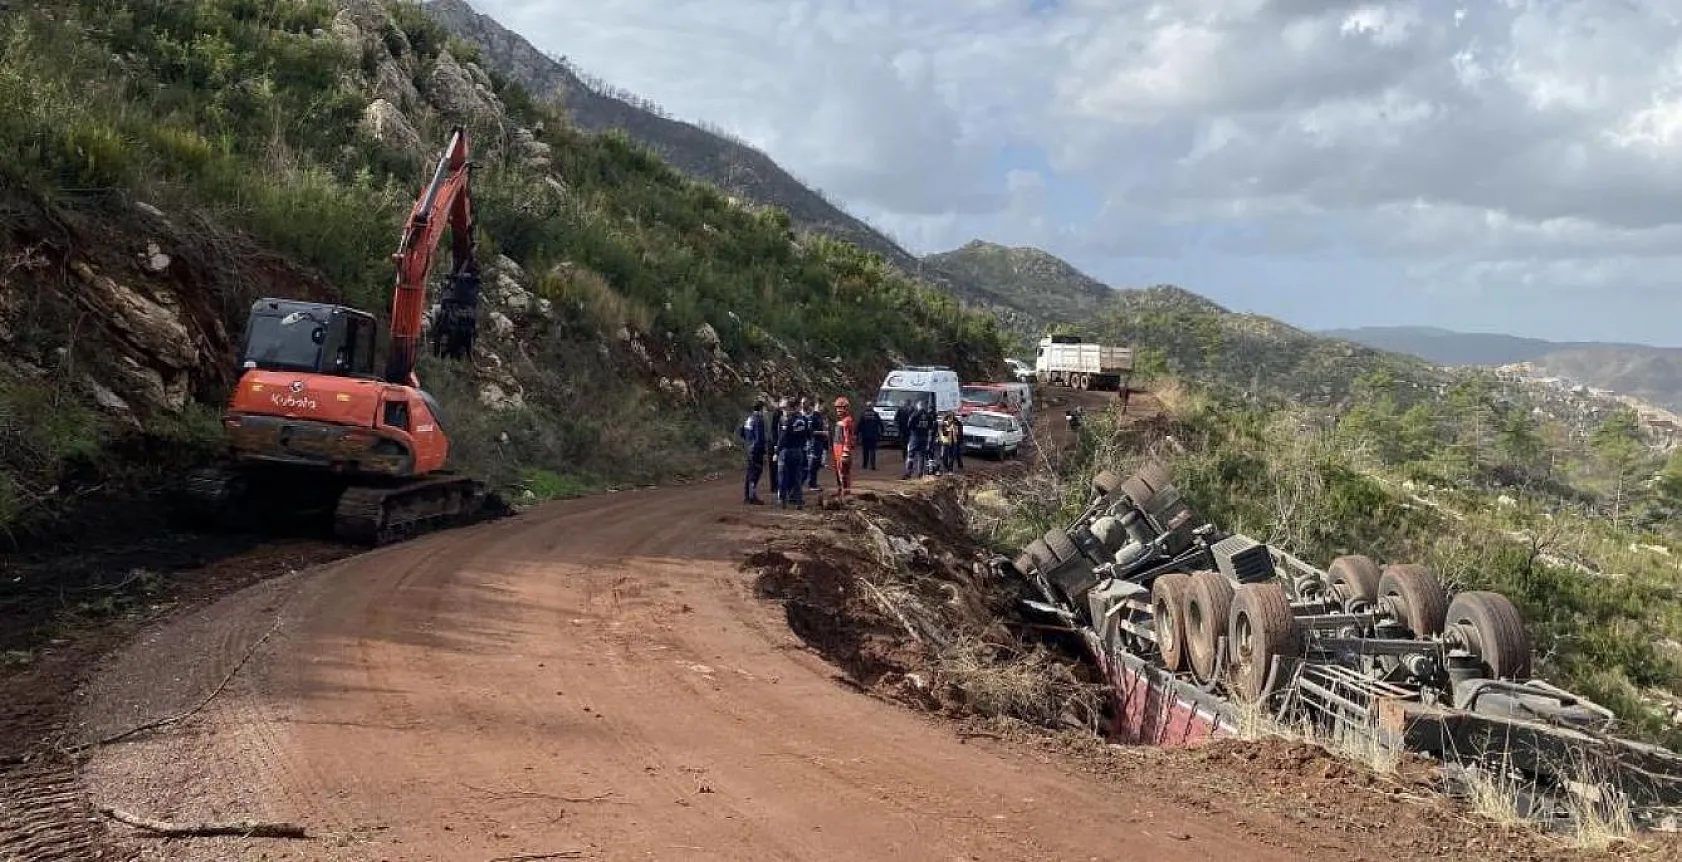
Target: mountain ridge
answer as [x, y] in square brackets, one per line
[1652, 374]
[701, 152]
[1456, 347]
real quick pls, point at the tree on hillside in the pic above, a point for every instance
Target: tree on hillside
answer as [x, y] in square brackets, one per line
[1667, 489]
[1518, 443]
[1471, 423]
[1616, 442]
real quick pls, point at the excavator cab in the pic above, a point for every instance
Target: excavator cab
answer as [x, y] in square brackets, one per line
[309, 337]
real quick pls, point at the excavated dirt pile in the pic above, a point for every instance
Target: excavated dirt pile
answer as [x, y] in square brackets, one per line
[893, 591]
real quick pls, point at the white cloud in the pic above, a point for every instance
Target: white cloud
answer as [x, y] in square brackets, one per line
[1507, 146]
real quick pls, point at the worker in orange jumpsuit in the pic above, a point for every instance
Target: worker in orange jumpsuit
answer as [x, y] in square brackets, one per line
[841, 445]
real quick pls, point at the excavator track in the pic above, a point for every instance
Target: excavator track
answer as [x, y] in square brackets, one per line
[230, 498]
[375, 515]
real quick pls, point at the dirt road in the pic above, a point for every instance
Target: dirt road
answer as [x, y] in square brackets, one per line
[592, 676]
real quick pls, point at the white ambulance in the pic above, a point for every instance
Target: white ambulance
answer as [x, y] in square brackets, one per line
[904, 387]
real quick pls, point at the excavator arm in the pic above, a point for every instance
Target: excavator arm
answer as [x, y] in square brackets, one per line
[446, 202]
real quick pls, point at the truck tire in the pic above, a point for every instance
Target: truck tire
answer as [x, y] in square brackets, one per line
[1025, 564]
[1416, 598]
[1061, 544]
[1495, 631]
[1208, 609]
[1260, 628]
[1137, 491]
[1155, 474]
[1169, 594]
[1106, 483]
[1356, 577]
[1041, 555]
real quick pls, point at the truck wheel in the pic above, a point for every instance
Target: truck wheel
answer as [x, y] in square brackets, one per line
[1106, 483]
[1260, 628]
[1155, 474]
[1061, 545]
[1025, 564]
[1041, 555]
[1355, 577]
[1137, 491]
[1208, 608]
[1493, 631]
[1168, 618]
[1415, 597]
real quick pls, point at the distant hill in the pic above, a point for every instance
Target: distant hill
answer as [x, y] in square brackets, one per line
[1033, 290]
[1027, 288]
[1446, 347]
[702, 153]
[1249, 353]
[1652, 374]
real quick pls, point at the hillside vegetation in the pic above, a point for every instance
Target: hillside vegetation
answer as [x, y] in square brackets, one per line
[164, 162]
[698, 150]
[1029, 289]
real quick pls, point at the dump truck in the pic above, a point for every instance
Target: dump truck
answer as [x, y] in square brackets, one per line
[1067, 360]
[1197, 628]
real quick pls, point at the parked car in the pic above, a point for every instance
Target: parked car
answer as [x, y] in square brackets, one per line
[991, 432]
[1016, 399]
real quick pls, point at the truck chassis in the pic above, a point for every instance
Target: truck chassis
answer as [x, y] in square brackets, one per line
[1197, 629]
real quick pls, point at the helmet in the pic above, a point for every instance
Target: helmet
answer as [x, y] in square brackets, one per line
[842, 403]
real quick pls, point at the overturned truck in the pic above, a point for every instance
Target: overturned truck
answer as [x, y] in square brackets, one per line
[1200, 631]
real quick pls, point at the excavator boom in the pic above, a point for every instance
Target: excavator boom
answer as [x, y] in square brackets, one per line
[447, 202]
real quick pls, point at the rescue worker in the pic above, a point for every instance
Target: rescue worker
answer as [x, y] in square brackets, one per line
[753, 432]
[1073, 418]
[919, 432]
[1123, 395]
[952, 435]
[842, 445]
[870, 434]
[774, 426]
[902, 423]
[819, 442]
[796, 435]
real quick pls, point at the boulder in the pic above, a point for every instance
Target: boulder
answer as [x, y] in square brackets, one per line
[385, 123]
[153, 258]
[152, 324]
[493, 396]
[452, 90]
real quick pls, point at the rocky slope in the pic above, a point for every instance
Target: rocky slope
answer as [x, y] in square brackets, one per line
[704, 154]
[166, 179]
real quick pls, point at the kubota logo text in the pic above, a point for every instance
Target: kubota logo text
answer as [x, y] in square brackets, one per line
[305, 402]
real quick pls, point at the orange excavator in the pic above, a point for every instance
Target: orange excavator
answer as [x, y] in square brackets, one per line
[312, 427]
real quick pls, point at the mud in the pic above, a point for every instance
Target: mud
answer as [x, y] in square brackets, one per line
[894, 593]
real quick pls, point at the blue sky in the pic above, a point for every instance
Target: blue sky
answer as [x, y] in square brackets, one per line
[1505, 165]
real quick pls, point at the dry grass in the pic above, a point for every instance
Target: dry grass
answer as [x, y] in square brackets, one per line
[1031, 685]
